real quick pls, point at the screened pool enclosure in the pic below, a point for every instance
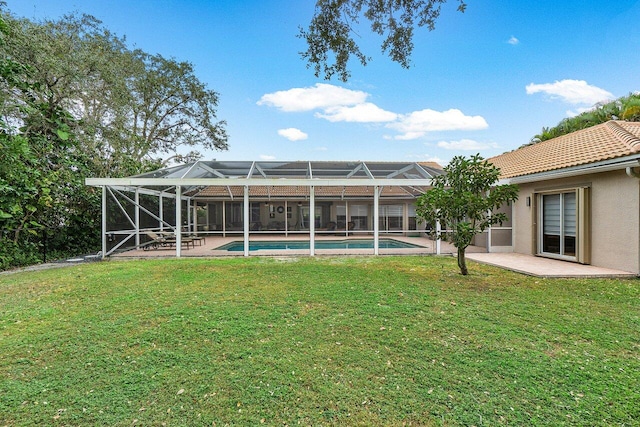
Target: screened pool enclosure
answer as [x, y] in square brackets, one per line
[185, 204]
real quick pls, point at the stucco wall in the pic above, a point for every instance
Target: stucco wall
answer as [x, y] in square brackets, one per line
[615, 218]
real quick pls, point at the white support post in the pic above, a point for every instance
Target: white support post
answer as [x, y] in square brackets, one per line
[312, 221]
[286, 219]
[376, 220]
[224, 218]
[438, 231]
[194, 215]
[178, 221]
[137, 216]
[188, 215]
[161, 207]
[245, 208]
[346, 218]
[489, 228]
[104, 221]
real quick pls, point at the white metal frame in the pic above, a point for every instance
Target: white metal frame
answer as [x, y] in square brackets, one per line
[256, 176]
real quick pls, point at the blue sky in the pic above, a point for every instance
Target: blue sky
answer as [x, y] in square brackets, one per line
[484, 81]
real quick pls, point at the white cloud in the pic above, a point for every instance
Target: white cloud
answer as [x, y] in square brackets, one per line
[266, 157]
[571, 91]
[337, 104]
[360, 113]
[320, 96]
[418, 123]
[513, 41]
[321, 148]
[466, 145]
[293, 134]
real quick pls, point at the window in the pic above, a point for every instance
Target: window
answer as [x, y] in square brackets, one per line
[306, 213]
[413, 222]
[255, 212]
[341, 216]
[233, 215]
[390, 217]
[359, 215]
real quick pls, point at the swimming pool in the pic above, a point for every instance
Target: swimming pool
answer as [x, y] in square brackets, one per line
[319, 244]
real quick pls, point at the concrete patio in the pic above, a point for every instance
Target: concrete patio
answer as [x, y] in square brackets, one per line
[544, 267]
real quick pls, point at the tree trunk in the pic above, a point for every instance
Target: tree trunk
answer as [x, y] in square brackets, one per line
[462, 262]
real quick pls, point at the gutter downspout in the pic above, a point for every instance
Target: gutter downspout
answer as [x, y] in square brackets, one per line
[631, 171]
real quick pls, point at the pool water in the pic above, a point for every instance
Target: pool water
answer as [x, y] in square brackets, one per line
[322, 244]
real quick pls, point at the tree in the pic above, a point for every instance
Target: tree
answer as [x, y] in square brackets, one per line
[333, 26]
[33, 165]
[130, 107]
[624, 108]
[169, 108]
[76, 102]
[465, 198]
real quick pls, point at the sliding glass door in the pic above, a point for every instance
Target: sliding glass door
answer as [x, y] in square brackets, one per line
[390, 217]
[558, 230]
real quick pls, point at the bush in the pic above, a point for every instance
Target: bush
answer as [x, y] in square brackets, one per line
[18, 254]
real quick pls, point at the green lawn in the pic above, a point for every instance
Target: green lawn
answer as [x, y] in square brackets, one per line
[324, 341]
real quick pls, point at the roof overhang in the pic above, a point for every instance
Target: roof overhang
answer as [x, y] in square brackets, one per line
[598, 167]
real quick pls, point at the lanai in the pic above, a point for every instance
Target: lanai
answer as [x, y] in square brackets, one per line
[292, 184]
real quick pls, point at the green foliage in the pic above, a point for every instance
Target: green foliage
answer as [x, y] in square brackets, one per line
[129, 107]
[20, 254]
[624, 108]
[332, 28]
[75, 102]
[359, 341]
[465, 198]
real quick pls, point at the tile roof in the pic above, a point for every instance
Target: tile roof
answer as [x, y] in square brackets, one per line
[605, 141]
[432, 165]
[297, 192]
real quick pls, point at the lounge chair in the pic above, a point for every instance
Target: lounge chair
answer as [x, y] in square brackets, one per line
[158, 241]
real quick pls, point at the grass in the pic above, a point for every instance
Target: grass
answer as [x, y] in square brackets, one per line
[324, 341]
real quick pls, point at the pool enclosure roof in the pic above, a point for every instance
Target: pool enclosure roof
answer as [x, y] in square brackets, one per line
[202, 178]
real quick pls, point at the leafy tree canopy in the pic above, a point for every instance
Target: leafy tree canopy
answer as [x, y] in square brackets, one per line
[466, 199]
[130, 107]
[624, 108]
[330, 35]
[75, 102]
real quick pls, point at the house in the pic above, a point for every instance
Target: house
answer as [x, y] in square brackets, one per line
[579, 200]
[579, 197]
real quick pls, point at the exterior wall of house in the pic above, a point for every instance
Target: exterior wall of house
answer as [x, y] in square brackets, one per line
[613, 215]
[501, 235]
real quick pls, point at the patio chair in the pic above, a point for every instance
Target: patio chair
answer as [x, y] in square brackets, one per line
[158, 241]
[155, 242]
